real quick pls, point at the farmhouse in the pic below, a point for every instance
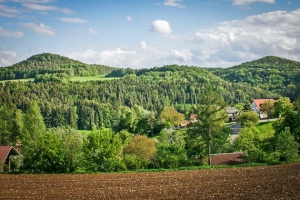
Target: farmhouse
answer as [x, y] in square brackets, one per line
[6, 154]
[232, 113]
[256, 107]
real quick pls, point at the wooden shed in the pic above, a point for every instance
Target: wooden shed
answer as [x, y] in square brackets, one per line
[6, 154]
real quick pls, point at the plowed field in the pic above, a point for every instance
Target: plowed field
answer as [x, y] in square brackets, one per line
[271, 182]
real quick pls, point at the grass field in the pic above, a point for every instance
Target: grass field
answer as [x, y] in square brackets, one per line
[91, 78]
[17, 80]
[74, 78]
[264, 182]
[266, 130]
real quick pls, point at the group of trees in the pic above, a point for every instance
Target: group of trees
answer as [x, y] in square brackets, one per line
[281, 145]
[83, 105]
[51, 64]
[271, 73]
[123, 115]
[125, 147]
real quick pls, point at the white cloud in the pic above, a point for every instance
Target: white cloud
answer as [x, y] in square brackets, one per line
[38, 7]
[228, 44]
[161, 26]
[274, 33]
[73, 20]
[8, 58]
[184, 55]
[143, 45]
[174, 3]
[128, 18]
[6, 11]
[93, 32]
[245, 2]
[13, 34]
[145, 58]
[39, 28]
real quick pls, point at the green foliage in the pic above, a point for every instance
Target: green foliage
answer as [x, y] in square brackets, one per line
[34, 123]
[44, 155]
[170, 117]
[10, 125]
[142, 147]
[283, 106]
[248, 118]
[47, 63]
[170, 156]
[102, 151]
[133, 162]
[271, 73]
[249, 143]
[268, 107]
[211, 118]
[55, 108]
[71, 141]
[286, 147]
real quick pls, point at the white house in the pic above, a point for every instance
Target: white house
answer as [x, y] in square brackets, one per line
[232, 113]
[256, 107]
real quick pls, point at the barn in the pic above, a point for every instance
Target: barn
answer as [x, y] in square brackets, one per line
[6, 154]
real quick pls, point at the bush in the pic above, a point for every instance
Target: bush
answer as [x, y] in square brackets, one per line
[248, 118]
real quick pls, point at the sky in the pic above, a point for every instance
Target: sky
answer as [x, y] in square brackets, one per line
[146, 33]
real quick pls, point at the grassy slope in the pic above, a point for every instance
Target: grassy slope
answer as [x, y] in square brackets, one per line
[266, 130]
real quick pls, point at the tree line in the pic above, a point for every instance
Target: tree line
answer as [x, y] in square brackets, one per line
[47, 63]
[84, 104]
[279, 75]
[141, 141]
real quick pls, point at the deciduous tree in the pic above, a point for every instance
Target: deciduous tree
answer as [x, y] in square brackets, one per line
[248, 118]
[142, 147]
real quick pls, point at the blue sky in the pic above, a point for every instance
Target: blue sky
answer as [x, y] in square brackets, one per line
[148, 33]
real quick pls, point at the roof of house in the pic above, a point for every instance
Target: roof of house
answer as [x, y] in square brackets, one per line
[185, 123]
[231, 110]
[259, 102]
[5, 151]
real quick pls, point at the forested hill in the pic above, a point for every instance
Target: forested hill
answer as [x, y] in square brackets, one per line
[50, 63]
[271, 73]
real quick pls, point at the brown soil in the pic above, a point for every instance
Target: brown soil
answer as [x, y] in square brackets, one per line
[271, 182]
[227, 159]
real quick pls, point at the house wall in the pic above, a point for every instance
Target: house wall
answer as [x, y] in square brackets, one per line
[260, 114]
[254, 107]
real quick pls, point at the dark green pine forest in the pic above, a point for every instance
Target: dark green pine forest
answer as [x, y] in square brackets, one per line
[124, 109]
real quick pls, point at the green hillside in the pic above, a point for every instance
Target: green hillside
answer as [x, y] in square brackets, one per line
[85, 104]
[271, 73]
[50, 64]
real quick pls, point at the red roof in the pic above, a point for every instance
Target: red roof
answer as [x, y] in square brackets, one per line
[5, 151]
[259, 102]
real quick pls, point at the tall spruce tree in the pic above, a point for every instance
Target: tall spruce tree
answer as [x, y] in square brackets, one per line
[211, 118]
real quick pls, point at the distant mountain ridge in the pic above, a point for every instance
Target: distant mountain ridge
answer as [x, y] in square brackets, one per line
[50, 63]
[271, 73]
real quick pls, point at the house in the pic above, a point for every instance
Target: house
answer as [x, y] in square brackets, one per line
[232, 113]
[185, 123]
[6, 154]
[256, 107]
[193, 118]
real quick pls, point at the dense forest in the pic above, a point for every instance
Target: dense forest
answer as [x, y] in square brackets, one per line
[81, 105]
[132, 121]
[279, 75]
[50, 63]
